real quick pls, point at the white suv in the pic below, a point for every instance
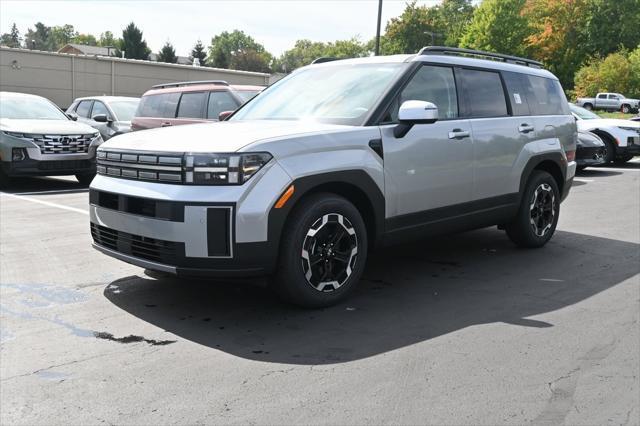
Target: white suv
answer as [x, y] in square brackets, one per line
[336, 159]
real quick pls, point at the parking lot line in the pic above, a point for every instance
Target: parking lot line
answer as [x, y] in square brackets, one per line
[46, 203]
[52, 191]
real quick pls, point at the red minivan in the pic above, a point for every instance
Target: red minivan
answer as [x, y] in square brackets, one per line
[188, 102]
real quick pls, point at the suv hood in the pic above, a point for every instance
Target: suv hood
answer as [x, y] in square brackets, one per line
[55, 127]
[606, 122]
[226, 136]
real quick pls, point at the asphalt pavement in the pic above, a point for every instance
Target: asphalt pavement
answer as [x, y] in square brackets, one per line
[464, 329]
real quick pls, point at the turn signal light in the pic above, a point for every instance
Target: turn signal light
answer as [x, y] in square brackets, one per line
[285, 197]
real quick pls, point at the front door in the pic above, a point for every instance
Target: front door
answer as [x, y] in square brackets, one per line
[432, 165]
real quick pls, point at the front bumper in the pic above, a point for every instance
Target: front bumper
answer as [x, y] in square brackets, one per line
[590, 156]
[630, 149]
[189, 230]
[30, 167]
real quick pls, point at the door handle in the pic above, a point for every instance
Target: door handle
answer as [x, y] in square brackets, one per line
[459, 134]
[525, 128]
[165, 124]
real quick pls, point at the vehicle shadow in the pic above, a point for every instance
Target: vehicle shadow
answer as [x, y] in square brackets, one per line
[597, 172]
[627, 165]
[40, 184]
[409, 294]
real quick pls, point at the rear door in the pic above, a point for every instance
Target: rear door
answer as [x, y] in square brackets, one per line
[602, 101]
[431, 166]
[220, 101]
[191, 108]
[498, 136]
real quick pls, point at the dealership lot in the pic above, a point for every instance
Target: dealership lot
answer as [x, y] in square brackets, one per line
[463, 329]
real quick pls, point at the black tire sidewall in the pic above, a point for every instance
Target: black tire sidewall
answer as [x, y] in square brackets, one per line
[289, 280]
[520, 230]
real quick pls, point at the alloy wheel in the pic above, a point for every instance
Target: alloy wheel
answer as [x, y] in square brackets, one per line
[329, 252]
[542, 209]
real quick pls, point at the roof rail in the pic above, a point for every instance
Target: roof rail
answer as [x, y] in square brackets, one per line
[443, 50]
[189, 83]
[323, 59]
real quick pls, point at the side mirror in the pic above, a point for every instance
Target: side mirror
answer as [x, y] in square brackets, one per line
[224, 115]
[71, 116]
[414, 112]
[101, 118]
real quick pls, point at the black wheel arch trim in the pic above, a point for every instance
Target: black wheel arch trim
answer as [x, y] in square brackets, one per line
[555, 157]
[340, 182]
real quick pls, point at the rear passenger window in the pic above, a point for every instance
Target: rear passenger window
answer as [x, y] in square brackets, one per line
[83, 109]
[517, 96]
[485, 94]
[161, 106]
[191, 105]
[545, 96]
[220, 102]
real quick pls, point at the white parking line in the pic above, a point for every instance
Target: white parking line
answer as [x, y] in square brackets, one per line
[583, 180]
[46, 203]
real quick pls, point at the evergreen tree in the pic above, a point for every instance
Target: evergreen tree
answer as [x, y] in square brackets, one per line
[134, 46]
[198, 52]
[167, 54]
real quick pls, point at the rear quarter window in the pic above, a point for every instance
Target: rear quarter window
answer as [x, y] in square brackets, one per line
[517, 96]
[163, 105]
[545, 96]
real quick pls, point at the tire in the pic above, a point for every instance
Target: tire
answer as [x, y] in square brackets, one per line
[308, 234]
[540, 199]
[588, 107]
[626, 109]
[610, 153]
[85, 179]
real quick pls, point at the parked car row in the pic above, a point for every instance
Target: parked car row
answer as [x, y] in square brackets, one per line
[39, 139]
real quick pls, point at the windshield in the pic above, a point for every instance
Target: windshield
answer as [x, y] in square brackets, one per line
[245, 95]
[335, 94]
[582, 113]
[30, 108]
[124, 110]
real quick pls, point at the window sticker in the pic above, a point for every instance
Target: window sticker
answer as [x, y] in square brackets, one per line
[517, 98]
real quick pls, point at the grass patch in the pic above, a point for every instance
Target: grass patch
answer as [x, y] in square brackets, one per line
[619, 115]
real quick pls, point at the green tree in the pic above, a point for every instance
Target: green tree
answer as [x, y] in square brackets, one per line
[87, 39]
[108, 39]
[133, 45]
[618, 72]
[610, 25]
[40, 38]
[12, 38]
[498, 26]
[305, 51]
[62, 35]
[167, 54]
[198, 52]
[453, 17]
[237, 50]
[418, 26]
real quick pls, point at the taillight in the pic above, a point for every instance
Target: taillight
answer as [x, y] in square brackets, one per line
[571, 155]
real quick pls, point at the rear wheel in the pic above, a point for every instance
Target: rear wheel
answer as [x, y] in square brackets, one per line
[323, 252]
[85, 179]
[588, 106]
[537, 216]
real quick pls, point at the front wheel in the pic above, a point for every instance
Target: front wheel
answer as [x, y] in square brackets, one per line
[537, 216]
[85, 179]
[626, 109]
[323, 252]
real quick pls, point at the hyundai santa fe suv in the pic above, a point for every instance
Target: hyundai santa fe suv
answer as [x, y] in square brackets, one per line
[336, 159]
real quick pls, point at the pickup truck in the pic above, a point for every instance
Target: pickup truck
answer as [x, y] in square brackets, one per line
[610, 102]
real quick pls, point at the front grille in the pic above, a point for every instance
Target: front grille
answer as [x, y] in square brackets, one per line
[152, 249]
[591, 153]
[61, 144]
[141, 166]
[74, 165]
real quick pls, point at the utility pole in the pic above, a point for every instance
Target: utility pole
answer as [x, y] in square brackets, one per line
[378, 28]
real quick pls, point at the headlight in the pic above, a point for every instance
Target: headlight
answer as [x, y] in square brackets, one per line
[223, 169]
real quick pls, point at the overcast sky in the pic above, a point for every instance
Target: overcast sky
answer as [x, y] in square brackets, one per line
[274, 23]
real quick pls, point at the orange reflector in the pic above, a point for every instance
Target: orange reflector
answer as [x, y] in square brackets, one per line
[285, 197]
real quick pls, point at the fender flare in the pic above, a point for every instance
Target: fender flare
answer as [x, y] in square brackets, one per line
[358, 179]
[556, 157]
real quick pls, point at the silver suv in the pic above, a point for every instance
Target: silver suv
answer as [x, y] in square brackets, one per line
[336, 159]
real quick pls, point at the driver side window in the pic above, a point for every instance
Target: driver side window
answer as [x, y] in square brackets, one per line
[432, 84]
